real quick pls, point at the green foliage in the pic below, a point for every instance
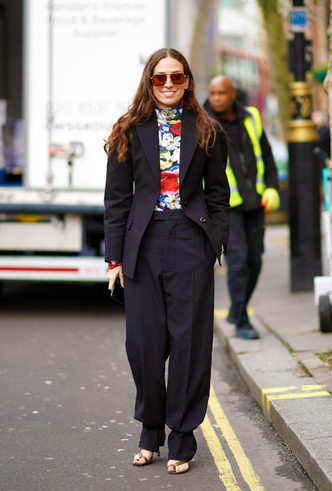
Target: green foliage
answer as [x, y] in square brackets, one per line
[319, 73]
[326, 358]
[268, 6]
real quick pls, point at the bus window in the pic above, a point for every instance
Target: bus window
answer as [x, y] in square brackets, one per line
[11, 113]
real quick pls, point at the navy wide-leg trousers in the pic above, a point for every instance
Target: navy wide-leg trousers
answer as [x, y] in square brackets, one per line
[169, 315]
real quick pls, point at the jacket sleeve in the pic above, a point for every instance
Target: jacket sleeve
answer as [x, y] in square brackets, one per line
[271, 173]
[117, 202]
[216, 187]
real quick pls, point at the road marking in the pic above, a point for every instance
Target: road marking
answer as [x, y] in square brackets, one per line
[292, 392]
[223, 313]
[219, 456]
[244, 464]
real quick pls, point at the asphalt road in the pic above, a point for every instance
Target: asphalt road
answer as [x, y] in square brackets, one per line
[66, 405]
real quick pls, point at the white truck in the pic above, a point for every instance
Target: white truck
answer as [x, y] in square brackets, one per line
[82, 61]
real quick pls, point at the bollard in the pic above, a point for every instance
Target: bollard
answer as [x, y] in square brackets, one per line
[304, 197]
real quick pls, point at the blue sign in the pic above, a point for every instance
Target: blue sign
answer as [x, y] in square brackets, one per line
[298, 19]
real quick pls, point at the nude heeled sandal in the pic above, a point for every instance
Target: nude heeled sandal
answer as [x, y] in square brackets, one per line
[175, 465]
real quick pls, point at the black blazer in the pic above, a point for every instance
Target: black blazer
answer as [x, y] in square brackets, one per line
[132, 189]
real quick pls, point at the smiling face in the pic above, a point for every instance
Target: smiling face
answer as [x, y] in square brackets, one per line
[169, 95]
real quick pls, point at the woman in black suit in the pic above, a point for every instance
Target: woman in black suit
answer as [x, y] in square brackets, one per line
[166, 223]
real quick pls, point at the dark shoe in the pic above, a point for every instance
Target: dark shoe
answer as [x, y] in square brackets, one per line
[246, 331]
[230, 318]
[163, 438]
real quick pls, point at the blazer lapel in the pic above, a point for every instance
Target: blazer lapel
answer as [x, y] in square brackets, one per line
[148, 135]
[188, 142]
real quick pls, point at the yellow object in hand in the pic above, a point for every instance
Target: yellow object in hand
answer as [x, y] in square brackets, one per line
[270, 200]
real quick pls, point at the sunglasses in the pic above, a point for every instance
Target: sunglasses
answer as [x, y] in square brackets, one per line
[177, 79]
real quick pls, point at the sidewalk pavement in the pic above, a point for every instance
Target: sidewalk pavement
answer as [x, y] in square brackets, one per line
[282, 369]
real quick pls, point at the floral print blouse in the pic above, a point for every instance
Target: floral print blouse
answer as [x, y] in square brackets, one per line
[169, 125]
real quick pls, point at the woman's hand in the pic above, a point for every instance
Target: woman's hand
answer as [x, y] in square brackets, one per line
[113, 274]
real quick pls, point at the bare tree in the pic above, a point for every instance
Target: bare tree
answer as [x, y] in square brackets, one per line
[278, 47]
[204, 46]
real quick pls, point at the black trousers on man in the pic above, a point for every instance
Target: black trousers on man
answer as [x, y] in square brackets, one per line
[169, 315]
[244, 259]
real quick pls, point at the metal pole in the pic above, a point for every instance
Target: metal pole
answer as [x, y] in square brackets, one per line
[299, 45]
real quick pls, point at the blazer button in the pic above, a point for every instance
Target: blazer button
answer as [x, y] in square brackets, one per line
[185, 203]
[202, 219]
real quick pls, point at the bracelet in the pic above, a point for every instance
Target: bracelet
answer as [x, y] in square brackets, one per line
[113, 264]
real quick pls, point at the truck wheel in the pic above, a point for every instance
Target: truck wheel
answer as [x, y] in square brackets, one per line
[325, 319]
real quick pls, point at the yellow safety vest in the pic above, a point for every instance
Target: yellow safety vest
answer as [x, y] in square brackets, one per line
[254, 128]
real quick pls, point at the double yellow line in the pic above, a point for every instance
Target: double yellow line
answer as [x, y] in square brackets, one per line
[223, 465]
[278, 393]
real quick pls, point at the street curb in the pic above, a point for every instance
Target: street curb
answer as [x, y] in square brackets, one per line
[294, 403]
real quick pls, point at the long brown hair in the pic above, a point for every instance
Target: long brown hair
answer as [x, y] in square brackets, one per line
[144, 103]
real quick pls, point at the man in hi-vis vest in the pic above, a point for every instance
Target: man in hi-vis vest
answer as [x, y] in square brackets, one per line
[253, 181]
